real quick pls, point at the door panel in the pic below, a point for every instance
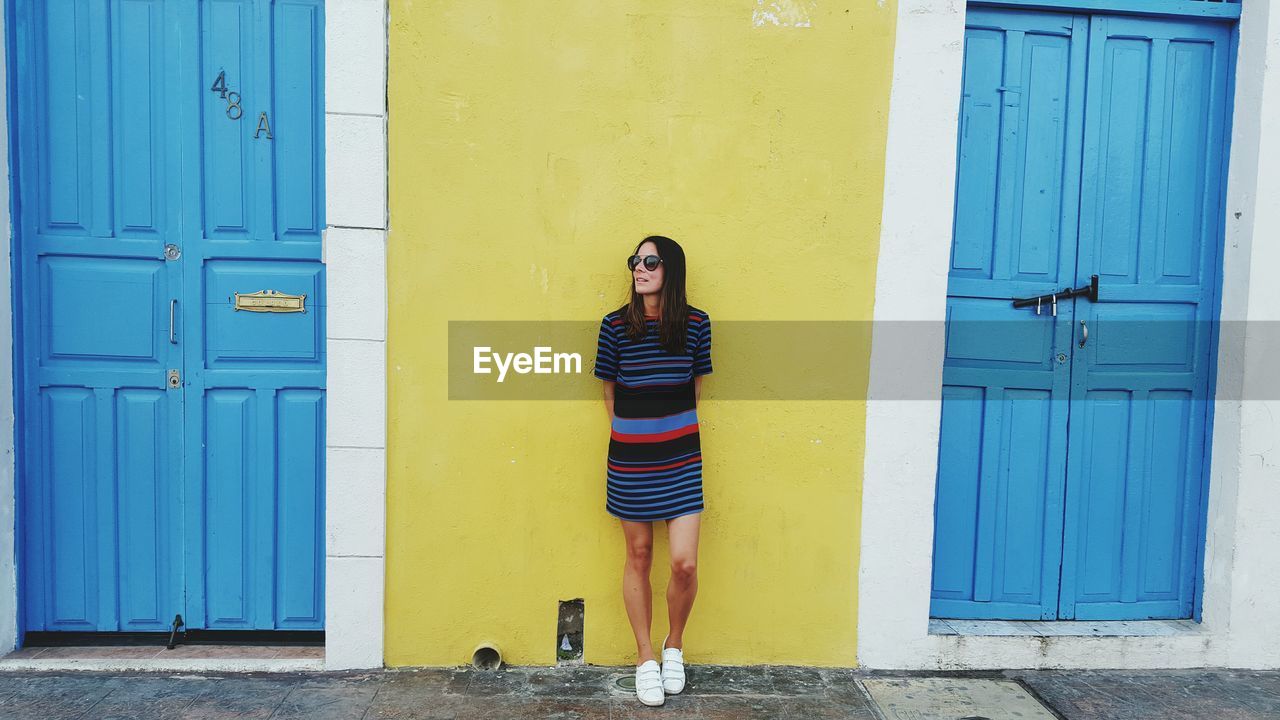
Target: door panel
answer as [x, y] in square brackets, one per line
[260, 545]
[997, 540]
[1149, 227]
[99, 431]
[140, 500]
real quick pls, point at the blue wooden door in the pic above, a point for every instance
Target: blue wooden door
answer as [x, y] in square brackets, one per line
[170, 447]
[1069, 474]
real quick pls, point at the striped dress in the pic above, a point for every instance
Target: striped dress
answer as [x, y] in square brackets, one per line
[654, 468]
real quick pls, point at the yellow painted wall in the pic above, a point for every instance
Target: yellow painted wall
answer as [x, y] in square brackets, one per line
[531, 145]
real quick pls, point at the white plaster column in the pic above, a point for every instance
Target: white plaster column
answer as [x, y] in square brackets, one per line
[911, 285]
[356, 268]
[1242, 594]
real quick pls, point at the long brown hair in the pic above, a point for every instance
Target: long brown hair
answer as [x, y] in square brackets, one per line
[673, 322]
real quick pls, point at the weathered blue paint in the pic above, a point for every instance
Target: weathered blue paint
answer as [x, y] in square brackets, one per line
[139, 501]
[1069, 477]
[1221, 10]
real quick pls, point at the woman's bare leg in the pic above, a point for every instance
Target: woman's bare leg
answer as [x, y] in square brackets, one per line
[682, 536]
[636, 591]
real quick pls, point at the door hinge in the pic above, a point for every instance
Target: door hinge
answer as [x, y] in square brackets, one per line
[175, 379]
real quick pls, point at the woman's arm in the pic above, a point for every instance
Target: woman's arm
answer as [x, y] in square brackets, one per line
[608, 398]
[697, 389]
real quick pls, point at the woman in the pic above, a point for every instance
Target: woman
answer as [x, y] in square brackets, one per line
[652, 354]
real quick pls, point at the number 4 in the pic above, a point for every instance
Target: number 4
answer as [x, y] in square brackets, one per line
[220, 85]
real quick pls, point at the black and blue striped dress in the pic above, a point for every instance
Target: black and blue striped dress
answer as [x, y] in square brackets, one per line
[654, 468]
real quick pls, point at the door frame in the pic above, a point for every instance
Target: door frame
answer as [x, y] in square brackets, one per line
[905, 380]
[354, 254]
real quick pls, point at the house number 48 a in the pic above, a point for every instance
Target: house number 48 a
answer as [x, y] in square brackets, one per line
[234, 111]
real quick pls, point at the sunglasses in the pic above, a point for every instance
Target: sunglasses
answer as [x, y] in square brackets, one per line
[651, 262]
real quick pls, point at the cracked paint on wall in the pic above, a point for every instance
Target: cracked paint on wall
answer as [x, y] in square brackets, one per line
[784, 13]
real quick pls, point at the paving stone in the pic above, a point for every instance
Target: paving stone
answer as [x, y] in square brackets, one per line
[441, 707]
[588, 681]
[133, 698]
[409, 695]
[449, 681]
[742, 708]
[843, 687]
[248, 696]
[559, 708]
[678, 707]
[1164, 694]
[948, 698]
[794, 680]
[809, 708]
[329, 698]
[705, 680]
[499, 682]
[53, 697]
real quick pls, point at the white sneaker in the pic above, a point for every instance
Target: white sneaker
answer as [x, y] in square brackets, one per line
[672, 669]
[649, 683]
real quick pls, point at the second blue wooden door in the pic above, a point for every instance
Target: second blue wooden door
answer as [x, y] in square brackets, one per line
[1073, 439]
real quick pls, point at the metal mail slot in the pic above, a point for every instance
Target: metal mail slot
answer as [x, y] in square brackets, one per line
[271, 301]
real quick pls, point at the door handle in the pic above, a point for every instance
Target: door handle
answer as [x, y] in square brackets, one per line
[173, 336]
[1084, 330]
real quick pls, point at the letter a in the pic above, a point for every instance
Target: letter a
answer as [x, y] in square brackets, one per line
[263, 124]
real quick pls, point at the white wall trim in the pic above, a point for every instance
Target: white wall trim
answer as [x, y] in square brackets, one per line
[8, 473]
[1241, 614]
[355, 244]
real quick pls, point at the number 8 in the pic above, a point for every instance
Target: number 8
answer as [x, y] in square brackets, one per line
[234, 104]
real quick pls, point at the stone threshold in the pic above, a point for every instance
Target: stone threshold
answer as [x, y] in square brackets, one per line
[189, 658]
[1065, 628]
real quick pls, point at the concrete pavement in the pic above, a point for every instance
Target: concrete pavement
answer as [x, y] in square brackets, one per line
[595, 693]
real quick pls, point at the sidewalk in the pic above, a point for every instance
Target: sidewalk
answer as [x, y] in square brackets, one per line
[591, 693]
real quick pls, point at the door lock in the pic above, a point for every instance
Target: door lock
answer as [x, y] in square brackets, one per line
[1089, 291]
[175, 379]
[171, 252]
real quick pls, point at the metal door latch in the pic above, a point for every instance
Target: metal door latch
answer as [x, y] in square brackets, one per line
[171, 252]
[1089, 291]
[175, 379]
